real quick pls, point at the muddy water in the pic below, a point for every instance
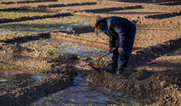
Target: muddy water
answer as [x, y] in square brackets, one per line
[12, 78]
[61, 47]
[83, 93]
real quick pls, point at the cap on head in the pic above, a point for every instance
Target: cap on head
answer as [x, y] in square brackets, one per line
[95, 20]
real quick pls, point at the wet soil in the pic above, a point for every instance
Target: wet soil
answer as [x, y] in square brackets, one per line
[23, 57]
[154, 87]
[157, 38]
[84, 93]
[12, 77]
[28, 94]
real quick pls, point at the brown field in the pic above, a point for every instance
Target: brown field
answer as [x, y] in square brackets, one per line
[158, 38]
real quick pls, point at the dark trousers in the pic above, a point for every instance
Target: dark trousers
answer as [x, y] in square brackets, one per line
[122, 60]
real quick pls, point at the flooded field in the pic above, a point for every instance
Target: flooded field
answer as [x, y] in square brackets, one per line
[12, 77]
[64, 48]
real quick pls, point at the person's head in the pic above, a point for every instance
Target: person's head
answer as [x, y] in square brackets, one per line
[97, 23]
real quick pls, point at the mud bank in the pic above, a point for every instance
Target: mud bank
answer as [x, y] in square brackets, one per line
[12, 77]
[155, 87]
[30, 59]
[76, 35]
[42, 61]
[28, 94]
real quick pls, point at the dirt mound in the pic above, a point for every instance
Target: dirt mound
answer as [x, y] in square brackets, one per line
[28, 94]
[155, 87]
[140, 75]
[143, 74]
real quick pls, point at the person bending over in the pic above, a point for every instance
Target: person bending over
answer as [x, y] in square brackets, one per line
[121, 34]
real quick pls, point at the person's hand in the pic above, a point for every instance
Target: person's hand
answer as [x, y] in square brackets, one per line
[120, 51]
[110, 50]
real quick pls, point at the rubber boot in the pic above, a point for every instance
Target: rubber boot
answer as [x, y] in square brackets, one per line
[119, 72]
[112, 67]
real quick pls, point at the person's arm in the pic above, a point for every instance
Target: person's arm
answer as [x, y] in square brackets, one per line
[112, 42]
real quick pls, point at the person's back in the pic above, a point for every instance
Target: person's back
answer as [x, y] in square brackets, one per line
[125, 23]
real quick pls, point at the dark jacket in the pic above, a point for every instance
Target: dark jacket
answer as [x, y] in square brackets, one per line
[119, 30]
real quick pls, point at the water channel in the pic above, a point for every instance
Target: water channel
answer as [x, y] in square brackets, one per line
[82, 92]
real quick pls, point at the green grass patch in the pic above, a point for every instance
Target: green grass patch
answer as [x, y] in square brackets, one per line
[31, 27]
[18, 14]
